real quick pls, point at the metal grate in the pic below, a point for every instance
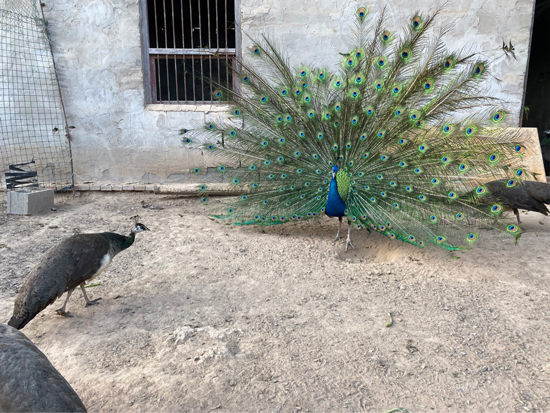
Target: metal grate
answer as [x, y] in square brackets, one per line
[190, 46]
[35, 148]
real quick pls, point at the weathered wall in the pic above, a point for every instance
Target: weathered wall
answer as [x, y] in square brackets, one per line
[97, 46]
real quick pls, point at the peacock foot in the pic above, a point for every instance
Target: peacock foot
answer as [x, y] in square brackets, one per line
[63, 313]
[348, 242]
[92, 302]
[338, 237]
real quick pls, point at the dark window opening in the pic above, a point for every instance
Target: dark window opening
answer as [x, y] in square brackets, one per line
[536, 111]
[192, 45]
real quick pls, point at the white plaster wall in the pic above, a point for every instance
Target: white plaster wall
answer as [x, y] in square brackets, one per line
[97, 46]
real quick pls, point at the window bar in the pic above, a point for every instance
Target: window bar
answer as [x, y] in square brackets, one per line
[209, 56]
[218, 43]
[192, 59]
[166, 45]
[175, 58]
[183, 46]
[158, 94]
[152, 77]
[201, 59]
[226, 46]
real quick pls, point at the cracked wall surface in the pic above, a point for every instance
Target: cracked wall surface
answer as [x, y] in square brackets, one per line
[97, 47]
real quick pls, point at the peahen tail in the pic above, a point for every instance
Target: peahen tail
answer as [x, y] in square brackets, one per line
[405, 122]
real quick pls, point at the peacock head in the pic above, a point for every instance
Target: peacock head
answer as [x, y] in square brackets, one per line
[334, 171]
[139, 228]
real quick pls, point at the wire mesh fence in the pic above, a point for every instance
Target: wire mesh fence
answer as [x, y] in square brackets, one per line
[34, 139]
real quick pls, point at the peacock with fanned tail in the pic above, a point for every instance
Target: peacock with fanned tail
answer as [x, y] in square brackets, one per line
[399, 140]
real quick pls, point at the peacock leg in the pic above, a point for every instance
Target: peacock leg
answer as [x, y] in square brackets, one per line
[348, 241]
[62, 311]
[88, 302]
[517, 214]
[339, 227]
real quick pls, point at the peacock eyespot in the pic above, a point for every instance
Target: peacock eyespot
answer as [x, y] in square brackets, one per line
[417, 22]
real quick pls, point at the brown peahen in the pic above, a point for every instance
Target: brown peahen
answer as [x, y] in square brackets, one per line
[70, 264]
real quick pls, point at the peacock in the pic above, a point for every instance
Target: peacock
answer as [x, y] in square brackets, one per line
[398, 139]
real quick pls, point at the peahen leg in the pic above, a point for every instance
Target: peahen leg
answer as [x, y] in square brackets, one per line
[88, 302]
[517, 214]
[339, 227]
[62, 311]
[348, 241]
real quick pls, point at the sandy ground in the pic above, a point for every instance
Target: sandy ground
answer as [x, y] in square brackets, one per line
[200, 316]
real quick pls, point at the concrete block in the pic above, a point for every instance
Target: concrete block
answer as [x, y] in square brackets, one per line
[139, 188]
[117, 187]
[30, 201]
[82, 187]
[127, 187]
[150, 188]
[95, 187]
[106, 188]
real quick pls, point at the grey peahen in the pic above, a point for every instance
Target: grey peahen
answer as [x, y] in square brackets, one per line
[70, 264]
[528, 195]
[392, 141]
[28, 381]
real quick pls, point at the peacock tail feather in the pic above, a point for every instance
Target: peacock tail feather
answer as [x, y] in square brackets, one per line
[405, 121]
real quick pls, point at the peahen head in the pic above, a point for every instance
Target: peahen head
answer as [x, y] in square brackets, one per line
[139, 228]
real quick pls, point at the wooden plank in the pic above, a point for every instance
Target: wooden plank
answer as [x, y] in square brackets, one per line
[145, 52]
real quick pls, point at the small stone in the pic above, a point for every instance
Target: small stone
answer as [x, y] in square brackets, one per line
[54, 209]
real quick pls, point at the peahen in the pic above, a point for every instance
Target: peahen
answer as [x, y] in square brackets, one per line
[70, 264]
[529, 195]
[392, 141]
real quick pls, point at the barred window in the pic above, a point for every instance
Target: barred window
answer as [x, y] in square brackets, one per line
[188, 47]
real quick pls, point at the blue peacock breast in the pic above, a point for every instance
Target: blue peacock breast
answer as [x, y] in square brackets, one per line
[336, 207]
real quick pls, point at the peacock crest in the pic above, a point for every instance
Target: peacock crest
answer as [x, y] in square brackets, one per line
[402, 126]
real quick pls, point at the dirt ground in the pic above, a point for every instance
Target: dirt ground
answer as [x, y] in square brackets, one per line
[201, 316]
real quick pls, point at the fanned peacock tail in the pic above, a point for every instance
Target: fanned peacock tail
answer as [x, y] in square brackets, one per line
[387, 118]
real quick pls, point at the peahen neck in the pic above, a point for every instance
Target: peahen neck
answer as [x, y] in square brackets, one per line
[129, 240]
[120, 242]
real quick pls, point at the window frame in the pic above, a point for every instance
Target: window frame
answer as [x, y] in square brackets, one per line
[149, 54]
